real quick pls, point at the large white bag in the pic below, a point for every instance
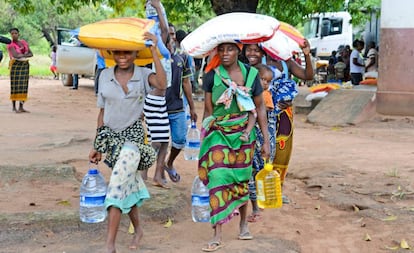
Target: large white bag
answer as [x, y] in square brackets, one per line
[285, 41]
[236, 27]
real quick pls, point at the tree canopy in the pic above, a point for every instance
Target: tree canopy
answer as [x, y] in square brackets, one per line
[291, 11]
[46, 15]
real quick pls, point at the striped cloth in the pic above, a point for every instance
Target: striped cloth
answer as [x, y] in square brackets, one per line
[19, 80]
[156, 119]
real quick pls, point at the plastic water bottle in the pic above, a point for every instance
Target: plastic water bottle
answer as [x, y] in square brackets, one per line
[192, 144]
[151, 13]
[92, 197]
[200, 201]
[268, 187]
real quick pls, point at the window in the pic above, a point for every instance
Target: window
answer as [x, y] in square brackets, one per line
[333, 26]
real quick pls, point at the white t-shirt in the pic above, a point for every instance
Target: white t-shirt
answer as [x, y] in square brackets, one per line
[122, 109]
[354, 68]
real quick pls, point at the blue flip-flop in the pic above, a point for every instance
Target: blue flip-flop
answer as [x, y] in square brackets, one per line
[172, 173]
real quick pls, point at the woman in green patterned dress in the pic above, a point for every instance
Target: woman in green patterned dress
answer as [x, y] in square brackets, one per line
[225, 162]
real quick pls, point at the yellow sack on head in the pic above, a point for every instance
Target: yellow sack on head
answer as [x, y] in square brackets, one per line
[116, 34]
[119, 34]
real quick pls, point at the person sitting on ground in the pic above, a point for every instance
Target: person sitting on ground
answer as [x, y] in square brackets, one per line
[340, 67]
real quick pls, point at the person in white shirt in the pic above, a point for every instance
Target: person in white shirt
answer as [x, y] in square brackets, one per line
[357, 66]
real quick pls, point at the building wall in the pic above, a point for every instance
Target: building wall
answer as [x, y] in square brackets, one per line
[395, 93]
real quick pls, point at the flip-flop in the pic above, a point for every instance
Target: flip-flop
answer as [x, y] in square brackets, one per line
[172, 173]
[245, 236]
[213, 246]
[254, 217]
[285, 199]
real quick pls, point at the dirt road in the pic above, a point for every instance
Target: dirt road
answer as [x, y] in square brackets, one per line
[351, 187]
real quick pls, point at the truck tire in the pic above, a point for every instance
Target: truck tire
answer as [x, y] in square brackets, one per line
[66, 79]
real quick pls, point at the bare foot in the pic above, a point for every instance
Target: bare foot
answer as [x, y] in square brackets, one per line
[137, 238]
[111, 250]
[22, 110]
[161, 184]
[144, 175]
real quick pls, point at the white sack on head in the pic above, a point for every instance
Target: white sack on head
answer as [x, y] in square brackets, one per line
[236, 27]
[286, 40]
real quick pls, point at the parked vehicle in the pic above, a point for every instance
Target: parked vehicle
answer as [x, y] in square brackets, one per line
[327, 31]
[73, 58]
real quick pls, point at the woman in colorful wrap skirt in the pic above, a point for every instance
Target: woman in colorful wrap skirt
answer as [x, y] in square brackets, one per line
[225, 162]
[122, 90]
[19, 51]
[286, 91]
[280, 119]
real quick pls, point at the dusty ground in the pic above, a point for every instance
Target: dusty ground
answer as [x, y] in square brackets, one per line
[351, 188]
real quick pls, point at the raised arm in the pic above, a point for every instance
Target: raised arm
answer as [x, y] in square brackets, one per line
[297, 70]
[159, 79]
[162, 20]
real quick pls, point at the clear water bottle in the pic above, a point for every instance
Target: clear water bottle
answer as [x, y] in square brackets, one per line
[151, 12]
[192, 144]
[92, 197]
[200, 201]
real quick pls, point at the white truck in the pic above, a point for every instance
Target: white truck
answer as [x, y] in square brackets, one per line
[327, 31]
[72, 58]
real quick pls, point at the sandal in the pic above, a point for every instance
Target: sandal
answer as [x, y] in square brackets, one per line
[254, 217]
[246, 236]
[245, 137]
[213, 246]
[172, 173]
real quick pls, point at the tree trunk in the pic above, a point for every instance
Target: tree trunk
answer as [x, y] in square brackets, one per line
[48, 37]
[226, 6]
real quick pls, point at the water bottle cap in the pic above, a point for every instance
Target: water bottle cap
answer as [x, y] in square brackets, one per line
[268, 167]
[93, 171]
[193, 124]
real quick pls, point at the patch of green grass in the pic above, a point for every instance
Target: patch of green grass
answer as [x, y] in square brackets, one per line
[39, 66]
[393, 173]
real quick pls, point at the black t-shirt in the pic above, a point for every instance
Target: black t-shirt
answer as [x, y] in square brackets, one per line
[174, 95]
[208, 83]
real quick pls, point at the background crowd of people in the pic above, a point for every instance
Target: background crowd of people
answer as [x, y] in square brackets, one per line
[351, 64]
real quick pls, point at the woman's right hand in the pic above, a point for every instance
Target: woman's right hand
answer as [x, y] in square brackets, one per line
[284, 104]
[265, 152]
[95, 156]
[306, 48]
[152, 37]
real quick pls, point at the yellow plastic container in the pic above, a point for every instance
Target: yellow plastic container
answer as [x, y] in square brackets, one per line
[268, 188]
